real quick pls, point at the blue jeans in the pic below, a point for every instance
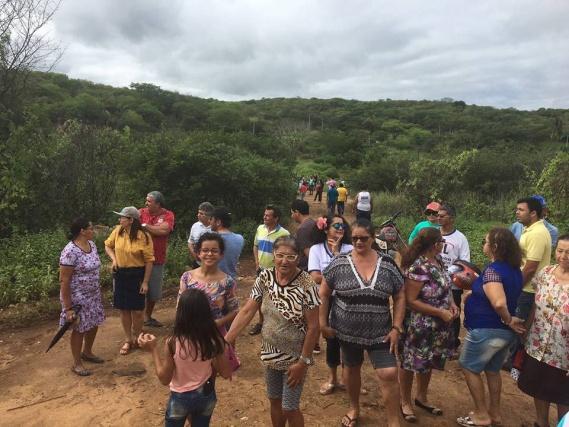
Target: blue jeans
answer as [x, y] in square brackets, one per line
[196, 405]
[485, 349]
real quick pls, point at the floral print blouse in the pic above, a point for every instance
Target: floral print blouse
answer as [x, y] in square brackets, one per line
[548, 339]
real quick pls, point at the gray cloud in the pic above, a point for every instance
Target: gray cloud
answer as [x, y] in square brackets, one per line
[508, 53]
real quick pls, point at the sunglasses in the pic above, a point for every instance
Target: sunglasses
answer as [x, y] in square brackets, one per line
[339, 226]
[288, 257]
[362, 239]
[431, 213]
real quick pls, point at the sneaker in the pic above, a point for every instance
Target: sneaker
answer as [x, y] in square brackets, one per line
[153, 323]
[316, 349]
[256, 329]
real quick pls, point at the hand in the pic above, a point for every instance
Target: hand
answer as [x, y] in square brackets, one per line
[446, 316]
[115, 265]
[327, 332]
[70, 315]
[517, 325]
[295, 374]
[455, 311]
[333, 243]
[393, 339]
[146, 341]
[144, 288]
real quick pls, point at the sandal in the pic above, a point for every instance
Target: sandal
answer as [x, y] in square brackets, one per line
[430, 409]
[81, 371]
[92, 358]
[327, 388]
[410, 418]
[468, 422]
[351, 422]
[126, 348]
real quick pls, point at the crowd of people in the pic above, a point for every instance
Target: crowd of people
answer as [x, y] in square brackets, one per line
[333, 279]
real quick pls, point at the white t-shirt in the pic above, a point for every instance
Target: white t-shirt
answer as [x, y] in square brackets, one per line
[364, 201]
[320, 256]
[196, 232]
[456, 247]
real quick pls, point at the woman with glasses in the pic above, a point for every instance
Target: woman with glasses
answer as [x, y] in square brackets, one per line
[332, 237]
[362, 283]
[429, 337]
[491, 326]
[208, 277]
[289, 301]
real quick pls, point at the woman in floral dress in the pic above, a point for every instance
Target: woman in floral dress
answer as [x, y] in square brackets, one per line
[545, 372]
[429, 339]
[79, 277]
[218, 286]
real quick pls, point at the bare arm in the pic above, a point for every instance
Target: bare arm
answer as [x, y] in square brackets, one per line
[325, 293]
[494, 291]
[256, 256]
[312, 331]
[529, 270]
[192, 250]
[162, 229]
[65, 273]
[111, 254]
[164, 368]
[412, 290]
[399, 308]
[316, 276]
[242, 319]
[221, 364]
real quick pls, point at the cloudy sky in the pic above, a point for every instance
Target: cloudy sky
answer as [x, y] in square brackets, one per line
[505, 53]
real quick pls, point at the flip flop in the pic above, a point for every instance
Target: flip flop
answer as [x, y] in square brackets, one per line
[466, 421]
[430, 409]
[92, 359]
[410, 418]
[327, 388]
[82, 372]
[153, 323]
[352, 422]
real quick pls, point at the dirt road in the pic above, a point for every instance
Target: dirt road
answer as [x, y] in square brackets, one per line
[38, 389]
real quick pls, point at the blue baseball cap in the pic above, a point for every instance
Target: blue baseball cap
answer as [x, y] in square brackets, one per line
[540, 199]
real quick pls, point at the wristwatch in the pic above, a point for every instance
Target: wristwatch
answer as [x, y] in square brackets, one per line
[397, 328]
[308, 361]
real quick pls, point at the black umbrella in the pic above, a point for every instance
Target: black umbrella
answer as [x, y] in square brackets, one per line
[65, 327]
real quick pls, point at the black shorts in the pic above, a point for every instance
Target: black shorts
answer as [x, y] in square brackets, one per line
[379, 355]
[126, 284]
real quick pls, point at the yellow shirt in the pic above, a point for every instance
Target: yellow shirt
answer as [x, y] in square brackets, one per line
[342, 194]
[535, 243]
[131, 254]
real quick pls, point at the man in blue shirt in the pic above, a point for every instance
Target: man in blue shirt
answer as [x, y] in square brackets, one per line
[220, 223]
[517, 227]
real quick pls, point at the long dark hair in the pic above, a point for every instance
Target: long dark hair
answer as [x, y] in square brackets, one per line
[319, 236]
[135, 227]
[77, 225]
[424, 241]
[195, 327]
[504, 246]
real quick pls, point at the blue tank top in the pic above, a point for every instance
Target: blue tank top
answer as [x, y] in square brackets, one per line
[478, 312]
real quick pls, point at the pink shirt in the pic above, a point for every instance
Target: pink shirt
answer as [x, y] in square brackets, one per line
[189, 374]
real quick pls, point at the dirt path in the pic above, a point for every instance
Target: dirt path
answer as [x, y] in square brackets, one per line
[124, 391]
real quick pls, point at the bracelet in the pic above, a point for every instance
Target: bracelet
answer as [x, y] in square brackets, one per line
[397, 328]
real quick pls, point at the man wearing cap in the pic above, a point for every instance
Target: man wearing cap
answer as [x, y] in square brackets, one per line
[517, 227]
[159, 223]
[455, 247]
[221, 223]
[201, 226]
[431, 212]
[300, 213]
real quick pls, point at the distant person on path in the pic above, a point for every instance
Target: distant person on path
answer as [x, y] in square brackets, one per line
[342, 198]
[303, 190]
[159, 223]
[202, 225]
[130, 249]
[300, 213]
[311, 185]
[289, 300]
[360, 317]
[332, 198]
[517, 227]
[545, 371]
[221, 223]
[489, 319]
[455, 247]
[363, 205]
[431, 212]
[428, 334]
[79, 266]
[195, 353]
[263, 254]
[319, 189]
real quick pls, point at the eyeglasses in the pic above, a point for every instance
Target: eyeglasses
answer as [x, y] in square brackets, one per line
[363, 239]
[210, 251]
[431, 213]
[339, 226]
[288, 257]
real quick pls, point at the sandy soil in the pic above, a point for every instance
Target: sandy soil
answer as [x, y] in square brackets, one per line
[38, 389]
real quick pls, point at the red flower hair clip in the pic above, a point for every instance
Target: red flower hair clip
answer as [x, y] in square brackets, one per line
[322, 223]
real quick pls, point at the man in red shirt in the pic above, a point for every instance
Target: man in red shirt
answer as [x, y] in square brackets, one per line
[159, 223]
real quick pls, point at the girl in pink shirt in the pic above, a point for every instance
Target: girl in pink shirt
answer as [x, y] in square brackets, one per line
[195, 353]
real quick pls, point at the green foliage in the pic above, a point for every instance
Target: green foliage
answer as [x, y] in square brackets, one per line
[554, 183]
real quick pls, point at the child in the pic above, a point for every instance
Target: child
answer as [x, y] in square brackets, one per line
[195, 352]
